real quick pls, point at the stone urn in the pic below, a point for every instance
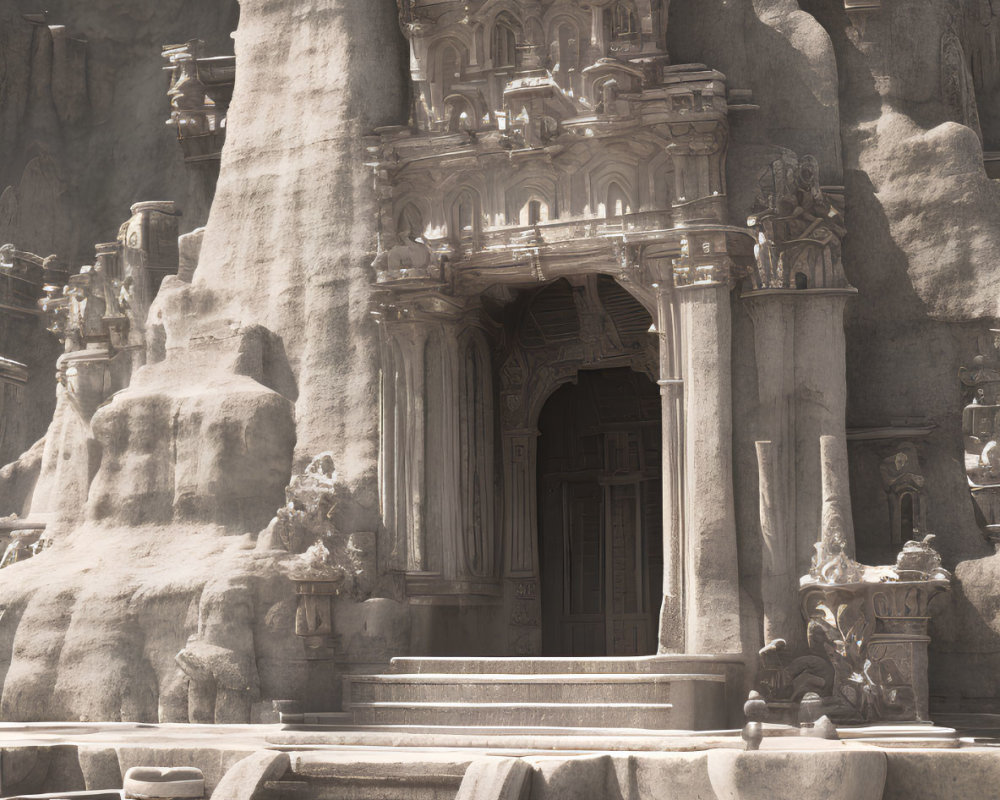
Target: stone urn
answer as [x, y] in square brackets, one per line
[833, 772]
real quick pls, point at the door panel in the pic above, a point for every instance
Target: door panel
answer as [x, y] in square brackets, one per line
[599, 527]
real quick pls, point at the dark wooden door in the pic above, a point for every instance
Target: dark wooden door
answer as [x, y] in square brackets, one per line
[599, 524]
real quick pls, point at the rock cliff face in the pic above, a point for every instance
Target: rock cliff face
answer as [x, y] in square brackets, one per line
[157, 599]
[82, 133]
[154, 558]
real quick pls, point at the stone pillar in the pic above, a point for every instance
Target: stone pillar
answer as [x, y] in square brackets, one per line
[411, 339]
[778, 582]
[710, 560]
[802, 396]
[773, 317]
[671, 634]
[314, 624]
[820, 410]
[443, 462]
[522, 599]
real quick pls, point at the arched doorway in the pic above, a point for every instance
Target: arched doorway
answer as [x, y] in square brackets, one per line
[599, 518]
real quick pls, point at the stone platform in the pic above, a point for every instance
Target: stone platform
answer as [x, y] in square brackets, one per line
[264, 762]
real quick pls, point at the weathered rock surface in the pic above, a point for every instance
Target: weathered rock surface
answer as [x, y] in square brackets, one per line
[155, 555]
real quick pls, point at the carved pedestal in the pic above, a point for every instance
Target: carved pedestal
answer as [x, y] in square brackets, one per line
[314, 623]
[875, 636]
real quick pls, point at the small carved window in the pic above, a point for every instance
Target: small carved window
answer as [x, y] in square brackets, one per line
[624, 24]
[801, 280]
[451, 66]
[464, 216]
[567, 54]
[504, 42]
[906, 518]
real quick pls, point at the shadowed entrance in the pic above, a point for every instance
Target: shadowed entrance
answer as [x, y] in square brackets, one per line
[600, 543]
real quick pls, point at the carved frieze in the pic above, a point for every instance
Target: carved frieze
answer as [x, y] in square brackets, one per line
[540, 135]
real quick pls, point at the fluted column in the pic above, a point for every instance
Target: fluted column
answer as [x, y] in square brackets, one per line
[411, 339]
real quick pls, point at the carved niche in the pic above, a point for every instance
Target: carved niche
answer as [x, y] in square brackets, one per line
[903, 482]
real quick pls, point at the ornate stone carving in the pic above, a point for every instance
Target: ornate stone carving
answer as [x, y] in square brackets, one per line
[903, 482]
[981, 432]
[200, 92]
[24, 277]
[866, 626]
[873, 632]
[328, 563]
[530, 146]
[305, 526]
[798, 227]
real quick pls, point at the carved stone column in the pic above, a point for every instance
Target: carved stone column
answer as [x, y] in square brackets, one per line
[410, 340]
[522, 597]
[701, 578]
[711, 560]
[438, 381]
[671, 383]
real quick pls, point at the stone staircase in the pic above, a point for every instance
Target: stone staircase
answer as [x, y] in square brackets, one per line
[652, 693]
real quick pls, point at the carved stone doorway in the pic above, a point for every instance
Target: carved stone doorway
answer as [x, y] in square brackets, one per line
[599, 515]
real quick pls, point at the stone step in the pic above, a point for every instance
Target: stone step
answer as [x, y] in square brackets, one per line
[510, 688]
[650, 716]
[665, 665]
[354, 776]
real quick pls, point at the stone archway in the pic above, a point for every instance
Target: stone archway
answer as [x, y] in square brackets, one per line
[587, 322]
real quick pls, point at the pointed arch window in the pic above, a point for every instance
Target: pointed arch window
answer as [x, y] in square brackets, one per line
[465, 216]
[503, 45]
[450, 65]
[617, 201]
[624, 23]
[568, 41]
[459, 114]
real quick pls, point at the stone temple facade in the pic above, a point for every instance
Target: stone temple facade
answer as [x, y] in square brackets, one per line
[537, 375]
